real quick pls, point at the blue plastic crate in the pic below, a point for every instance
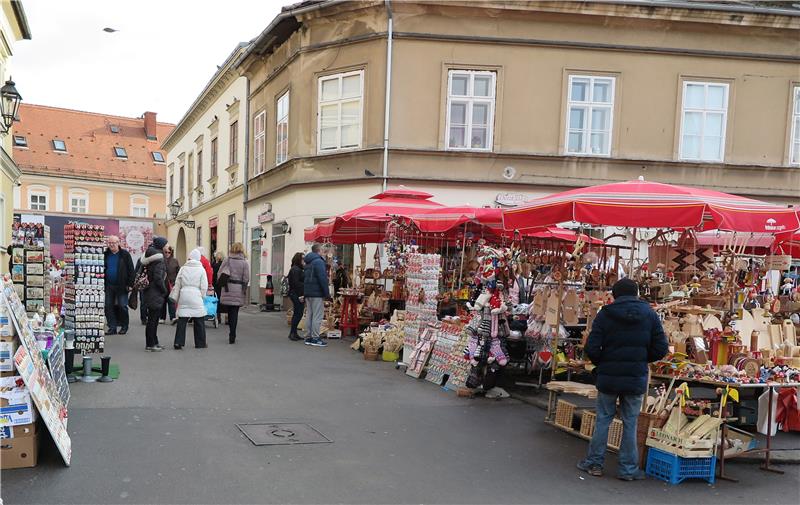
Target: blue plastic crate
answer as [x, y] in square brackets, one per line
[675, 469]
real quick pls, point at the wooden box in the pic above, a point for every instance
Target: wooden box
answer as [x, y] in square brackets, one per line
[564, 412]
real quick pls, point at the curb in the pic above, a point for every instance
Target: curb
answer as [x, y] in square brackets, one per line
[779, 456]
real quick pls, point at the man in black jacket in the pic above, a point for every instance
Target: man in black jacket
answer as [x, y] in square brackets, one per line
[118, 281]
[626, 335]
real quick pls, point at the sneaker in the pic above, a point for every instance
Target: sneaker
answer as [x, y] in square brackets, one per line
[173, 321]
[295, 337]
[148, 349]
[123, 331]
[640, 475]
[162, 321]
[156, 348]
[316, 342]
[111, 332]
[593, 470]
[177, 347]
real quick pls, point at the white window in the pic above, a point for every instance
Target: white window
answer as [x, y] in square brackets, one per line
[590, 115]
[139, 205]
[340, 109]
[78, 201]
[282, 129]
[470, 109]
[37, 198]
[795, 146]
[704, 115]
[259, 137]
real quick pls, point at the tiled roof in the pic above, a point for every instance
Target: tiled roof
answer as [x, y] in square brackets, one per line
[90, 145]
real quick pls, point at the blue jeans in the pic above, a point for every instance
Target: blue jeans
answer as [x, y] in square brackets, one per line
[629, 407]
[116, 308]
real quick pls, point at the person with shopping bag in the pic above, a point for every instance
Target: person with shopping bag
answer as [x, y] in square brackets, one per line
[233, 278]
[188, 294]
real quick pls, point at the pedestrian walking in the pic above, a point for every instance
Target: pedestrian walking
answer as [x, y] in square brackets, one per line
[172, 273]
[191, 285]
[140, 294]
[626, 335]
[234, 276]
[207, 266]
[153, 286]
[216, 262]
[296, 280]
[315, 291]
[118, 281]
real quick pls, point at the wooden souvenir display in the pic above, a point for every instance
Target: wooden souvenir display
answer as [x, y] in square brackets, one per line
[539, 301]
[569, 308]
[776, 335]
[712, 322]
[552, 310]
[691, 325]
[789, 332]
[744, 325]
[761, 322]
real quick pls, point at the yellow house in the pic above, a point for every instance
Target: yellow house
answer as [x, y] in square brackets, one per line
[13, 27]
[204, 154]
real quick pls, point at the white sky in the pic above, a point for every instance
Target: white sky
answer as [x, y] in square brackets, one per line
[160, 59]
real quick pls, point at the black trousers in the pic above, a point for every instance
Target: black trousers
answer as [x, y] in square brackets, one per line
[199, 329]
[233, 319]
[297, 314]
[116, 308]
[150, 331]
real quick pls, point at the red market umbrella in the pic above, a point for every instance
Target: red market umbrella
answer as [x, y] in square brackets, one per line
[367, 224]
[563, 235]
[644, 204]
[447, 219]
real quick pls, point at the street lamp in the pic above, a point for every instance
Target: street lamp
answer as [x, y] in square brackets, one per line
[9, 105]
[175, 210]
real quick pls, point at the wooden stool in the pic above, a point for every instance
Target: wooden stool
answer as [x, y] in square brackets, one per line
[349, 319]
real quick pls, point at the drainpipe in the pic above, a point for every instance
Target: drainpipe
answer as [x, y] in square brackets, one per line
[245, 190]
[388, 96]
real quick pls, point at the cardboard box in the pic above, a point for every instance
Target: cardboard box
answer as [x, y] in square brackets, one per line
[7, 350]
[16, 407]
[23, 430]
[18, 452]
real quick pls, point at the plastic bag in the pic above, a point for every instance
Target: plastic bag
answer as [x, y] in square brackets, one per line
[763, 413]
[211, 302]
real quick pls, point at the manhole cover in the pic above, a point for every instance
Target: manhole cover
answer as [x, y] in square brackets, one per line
[282, 434]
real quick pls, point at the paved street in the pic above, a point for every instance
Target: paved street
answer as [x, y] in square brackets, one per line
[165, 433]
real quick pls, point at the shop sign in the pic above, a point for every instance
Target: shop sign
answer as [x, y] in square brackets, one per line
[266, 217]
[511, 199]
[778, 262]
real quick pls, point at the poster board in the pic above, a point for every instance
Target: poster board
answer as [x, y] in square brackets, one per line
[31, 366]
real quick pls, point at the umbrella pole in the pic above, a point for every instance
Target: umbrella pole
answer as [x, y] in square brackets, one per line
[463, 252]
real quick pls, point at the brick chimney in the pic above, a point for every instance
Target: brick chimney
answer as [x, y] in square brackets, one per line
[150, 125]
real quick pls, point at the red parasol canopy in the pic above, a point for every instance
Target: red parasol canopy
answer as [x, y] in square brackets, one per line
[445, 219]
[564, 235]
[644, 204]
[367, 224]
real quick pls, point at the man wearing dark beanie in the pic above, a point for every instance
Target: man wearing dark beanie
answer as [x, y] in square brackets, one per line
[626, 335]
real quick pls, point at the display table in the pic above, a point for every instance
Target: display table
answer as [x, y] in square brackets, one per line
[766, 450]
[349, 321]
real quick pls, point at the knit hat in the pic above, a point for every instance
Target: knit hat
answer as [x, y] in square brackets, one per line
[194, 255]
[625, 287]
[159, 243]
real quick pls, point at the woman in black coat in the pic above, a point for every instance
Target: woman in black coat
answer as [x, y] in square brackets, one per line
[296, 279]
[155, 294]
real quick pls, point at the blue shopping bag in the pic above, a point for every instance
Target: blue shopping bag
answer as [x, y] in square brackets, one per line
[211, 302]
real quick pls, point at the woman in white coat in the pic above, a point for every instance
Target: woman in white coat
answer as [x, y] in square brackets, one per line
[190, 288]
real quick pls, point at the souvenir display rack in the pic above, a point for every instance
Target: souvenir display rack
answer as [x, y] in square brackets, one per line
[84, 293]
[422, 284]
[30, 269]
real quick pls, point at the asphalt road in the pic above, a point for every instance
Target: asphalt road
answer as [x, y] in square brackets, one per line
[166, 433]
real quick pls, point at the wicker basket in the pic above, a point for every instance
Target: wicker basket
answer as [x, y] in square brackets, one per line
[588, 419]
[615, 434]
[371, 354]
[564, 413]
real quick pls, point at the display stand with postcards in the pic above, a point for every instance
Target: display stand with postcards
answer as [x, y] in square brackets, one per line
[84, 295]
[30, 260]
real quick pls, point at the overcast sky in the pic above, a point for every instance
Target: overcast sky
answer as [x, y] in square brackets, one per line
[160, 59]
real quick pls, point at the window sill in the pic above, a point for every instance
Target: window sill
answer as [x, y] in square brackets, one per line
[232, 168]
[212, 180]
[469, 149]
[337, 150]
[587, 155]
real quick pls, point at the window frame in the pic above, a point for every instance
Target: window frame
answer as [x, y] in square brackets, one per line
[23, 143]
[78, 194]
[282, 120]
[139, 201]
[114, 128]
[214, 157]
[589, 105]
[162, 160]
[339, 102]
[233, 148]
[231, 229]
[259, 139]
[40, 192]
[181, 181]
[683, 110]
[55, 145]
[120, 149]
[794, 135]
[199, 241]
[470, 101]
[200, 168]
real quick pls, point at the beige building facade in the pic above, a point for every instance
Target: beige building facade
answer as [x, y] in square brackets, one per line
[13, 28]
[502, 101]
[205, 166]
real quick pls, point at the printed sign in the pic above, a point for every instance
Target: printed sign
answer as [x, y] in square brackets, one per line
[31, 366]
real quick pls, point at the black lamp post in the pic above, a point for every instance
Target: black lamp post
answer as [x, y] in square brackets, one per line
[9, 104]
[175, 209]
